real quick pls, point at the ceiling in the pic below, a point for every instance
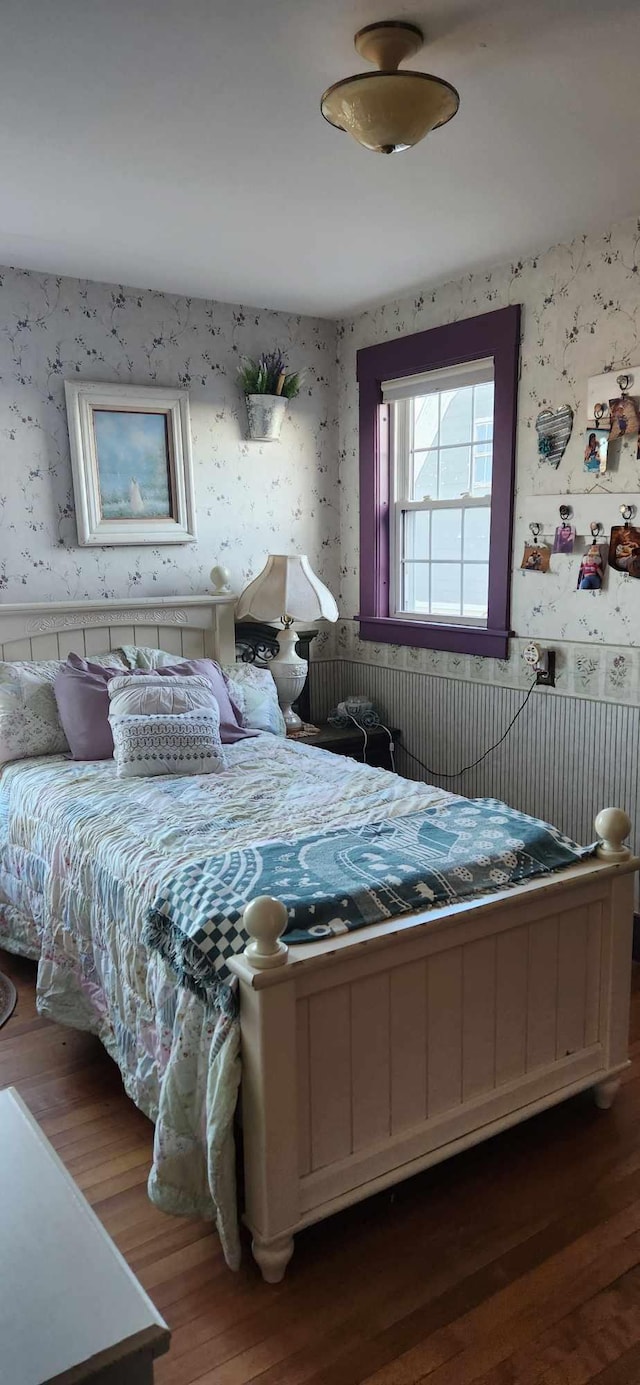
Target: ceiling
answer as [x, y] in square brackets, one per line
[178, 144]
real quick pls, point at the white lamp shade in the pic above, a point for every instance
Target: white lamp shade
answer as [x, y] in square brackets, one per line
[287, 586]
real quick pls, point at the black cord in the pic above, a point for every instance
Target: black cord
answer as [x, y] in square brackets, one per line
[437, 774]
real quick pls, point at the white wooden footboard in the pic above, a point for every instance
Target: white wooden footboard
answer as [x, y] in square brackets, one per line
[371, 1056]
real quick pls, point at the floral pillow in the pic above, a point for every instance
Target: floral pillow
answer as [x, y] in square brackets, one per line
[29, 720]
[255, 694]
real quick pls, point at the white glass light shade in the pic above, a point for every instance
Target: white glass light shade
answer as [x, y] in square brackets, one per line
[287, 586]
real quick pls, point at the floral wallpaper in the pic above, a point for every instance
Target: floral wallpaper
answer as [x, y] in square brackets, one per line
[581, 317]
[598, 672]
[251, 498]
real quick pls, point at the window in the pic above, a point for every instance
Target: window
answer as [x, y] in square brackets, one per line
[436, 470]
[441, 428]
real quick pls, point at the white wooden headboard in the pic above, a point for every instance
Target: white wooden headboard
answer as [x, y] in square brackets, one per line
[188, 626]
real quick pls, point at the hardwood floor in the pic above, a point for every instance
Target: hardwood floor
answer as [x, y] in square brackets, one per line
[515, 1263]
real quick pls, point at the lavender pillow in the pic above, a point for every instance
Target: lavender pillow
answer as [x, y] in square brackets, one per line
[231, 729]
[81, 692]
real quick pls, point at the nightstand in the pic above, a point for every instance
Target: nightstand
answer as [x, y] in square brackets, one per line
[351, 742]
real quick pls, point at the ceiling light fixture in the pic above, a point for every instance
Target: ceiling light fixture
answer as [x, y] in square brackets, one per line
[389, 110]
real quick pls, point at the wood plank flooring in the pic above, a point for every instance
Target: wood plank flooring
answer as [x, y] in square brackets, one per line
[517, 1263]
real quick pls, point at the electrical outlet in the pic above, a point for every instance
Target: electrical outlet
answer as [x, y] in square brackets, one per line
[546, 677]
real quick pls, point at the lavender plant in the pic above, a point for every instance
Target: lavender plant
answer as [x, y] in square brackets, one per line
[269, 375]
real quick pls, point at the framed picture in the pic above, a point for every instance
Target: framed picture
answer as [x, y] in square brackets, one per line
[132, 465]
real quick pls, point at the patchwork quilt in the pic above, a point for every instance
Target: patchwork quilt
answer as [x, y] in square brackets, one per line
[83, 857]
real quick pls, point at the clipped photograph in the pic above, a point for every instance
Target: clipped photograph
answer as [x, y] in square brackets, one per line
[625, 420]
[624, 549]
[564, 539]
[535, 558]
[595, 452]
[591, 574]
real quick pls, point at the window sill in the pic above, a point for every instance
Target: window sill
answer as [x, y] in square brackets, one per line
[457, 639]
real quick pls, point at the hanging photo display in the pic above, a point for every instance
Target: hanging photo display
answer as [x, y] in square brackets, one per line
[625, 420]
[595, 452]
[564, 538]
[591, 574]
[535, 557]
[624, 549]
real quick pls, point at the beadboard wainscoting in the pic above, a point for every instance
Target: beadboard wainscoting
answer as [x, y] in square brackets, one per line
[563, 760]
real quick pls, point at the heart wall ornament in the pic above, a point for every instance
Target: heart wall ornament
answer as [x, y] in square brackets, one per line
[553, 427]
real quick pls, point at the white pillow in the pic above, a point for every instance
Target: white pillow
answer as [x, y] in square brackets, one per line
[29, 721]
[164, 726]
[255, 693]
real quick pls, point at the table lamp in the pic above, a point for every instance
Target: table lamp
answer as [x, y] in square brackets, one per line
[287, 589]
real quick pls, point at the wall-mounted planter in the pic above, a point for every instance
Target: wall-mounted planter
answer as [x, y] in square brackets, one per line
[265, 413]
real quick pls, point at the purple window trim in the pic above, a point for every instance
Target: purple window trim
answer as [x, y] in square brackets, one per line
[494, 334]
[493, 644]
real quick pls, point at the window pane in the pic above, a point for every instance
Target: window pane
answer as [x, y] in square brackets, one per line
[425, 420]
[455, 416]
[483, 411]
[445, 589]
[476, 534]
[407, 594]
[416, 587]
[475, 589]
[416, 534]
[425, 474]
[482, 466]
[446, 535]
[455, 480]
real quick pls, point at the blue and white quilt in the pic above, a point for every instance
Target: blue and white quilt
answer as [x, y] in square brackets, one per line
[335, 881]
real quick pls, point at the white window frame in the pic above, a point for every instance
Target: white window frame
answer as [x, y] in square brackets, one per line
[397, 393]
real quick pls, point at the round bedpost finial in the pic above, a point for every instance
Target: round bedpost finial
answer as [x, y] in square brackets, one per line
[612, 826]
[265, 919]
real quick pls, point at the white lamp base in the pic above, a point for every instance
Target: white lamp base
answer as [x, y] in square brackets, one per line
[289, 675]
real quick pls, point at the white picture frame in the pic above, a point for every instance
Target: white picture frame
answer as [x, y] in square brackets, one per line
[132, 463]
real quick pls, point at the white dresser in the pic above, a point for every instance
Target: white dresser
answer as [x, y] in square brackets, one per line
[70, 1307]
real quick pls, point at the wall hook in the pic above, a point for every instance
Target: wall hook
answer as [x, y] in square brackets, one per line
[627, 512]
[536, 529]
[624, 382]
[596, 529]
[599, 411]
[565, 513]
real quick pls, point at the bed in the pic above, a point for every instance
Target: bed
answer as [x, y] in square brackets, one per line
[365, 1056]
